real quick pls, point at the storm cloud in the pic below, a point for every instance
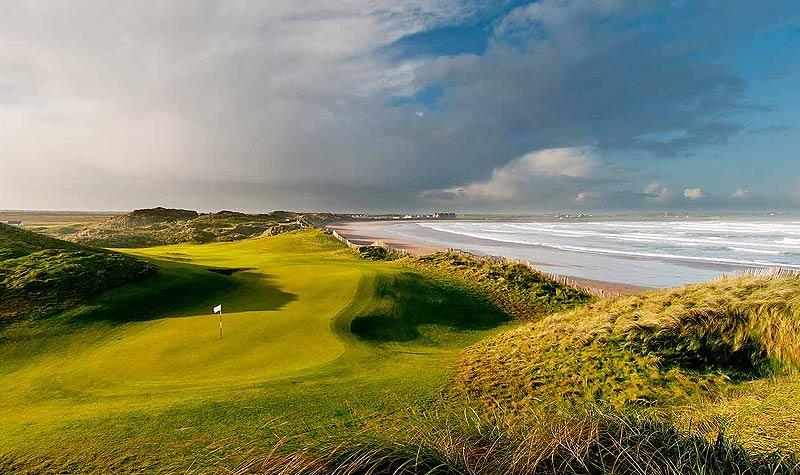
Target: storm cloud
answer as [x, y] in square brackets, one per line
[284, 104]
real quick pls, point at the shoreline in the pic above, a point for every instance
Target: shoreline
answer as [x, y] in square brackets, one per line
[358, 233]
[362, 238]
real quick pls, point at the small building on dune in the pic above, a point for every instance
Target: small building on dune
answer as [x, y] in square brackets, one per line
[14, 223]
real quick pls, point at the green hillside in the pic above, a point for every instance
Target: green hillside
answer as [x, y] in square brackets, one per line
[40, 275]
[160, 226]
[315, 340]
[16, 242]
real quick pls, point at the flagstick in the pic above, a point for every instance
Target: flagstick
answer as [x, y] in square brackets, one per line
[220, 324]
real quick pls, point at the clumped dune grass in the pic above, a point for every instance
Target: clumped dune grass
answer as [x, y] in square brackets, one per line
[521, 291]
[465, 441]
[662, 347]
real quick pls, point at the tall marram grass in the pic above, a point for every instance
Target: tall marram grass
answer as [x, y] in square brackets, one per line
[658, 348]
[521, 291]
[465, 441]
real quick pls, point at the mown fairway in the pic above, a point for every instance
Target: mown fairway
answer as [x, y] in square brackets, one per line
[315, 341]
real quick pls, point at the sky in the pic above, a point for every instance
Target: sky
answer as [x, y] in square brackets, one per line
[405, 105]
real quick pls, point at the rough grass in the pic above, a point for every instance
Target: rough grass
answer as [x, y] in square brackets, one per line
[16, 242]
[516, 288]
[40, 275]
[665, 347]
[456, 440]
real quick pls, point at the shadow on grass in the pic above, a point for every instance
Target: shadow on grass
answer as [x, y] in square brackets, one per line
[708, 343]
[183, 290]
[404, 302]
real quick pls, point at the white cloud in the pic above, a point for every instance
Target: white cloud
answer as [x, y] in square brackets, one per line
[740, 193]
[658, 191]
[693, 193]
[571, 162]
[585, 197]
[516, 178]
[555, 13]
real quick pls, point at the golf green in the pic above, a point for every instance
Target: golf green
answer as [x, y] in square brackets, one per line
[313, 336]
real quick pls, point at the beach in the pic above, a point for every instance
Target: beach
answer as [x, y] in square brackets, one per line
[629, 254]
[368, 233]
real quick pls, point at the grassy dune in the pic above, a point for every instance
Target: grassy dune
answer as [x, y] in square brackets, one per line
[661, 347]
[41, 275]
[315, 340]
[723, 353]
[521, 291]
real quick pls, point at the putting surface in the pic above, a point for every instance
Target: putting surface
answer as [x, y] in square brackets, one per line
[311, 334]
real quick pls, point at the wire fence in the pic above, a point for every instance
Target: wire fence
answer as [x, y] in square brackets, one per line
[344, 240]
[761, 272]
[357, 247]
[558, 278]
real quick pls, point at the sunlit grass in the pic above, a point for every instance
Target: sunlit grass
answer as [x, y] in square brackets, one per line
[139, 376]
[331, 362]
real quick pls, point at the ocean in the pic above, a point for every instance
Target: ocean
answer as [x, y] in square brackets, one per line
[652, 252]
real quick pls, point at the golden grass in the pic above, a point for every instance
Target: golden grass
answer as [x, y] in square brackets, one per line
[461, 440]
[666, 347]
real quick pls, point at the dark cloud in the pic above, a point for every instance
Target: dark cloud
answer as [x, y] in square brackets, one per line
[289, 104]
[715, 133]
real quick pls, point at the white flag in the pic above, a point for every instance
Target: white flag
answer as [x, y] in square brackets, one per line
[218, 309]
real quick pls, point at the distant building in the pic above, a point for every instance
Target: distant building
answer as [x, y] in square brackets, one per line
[444, 215]
[14, 223]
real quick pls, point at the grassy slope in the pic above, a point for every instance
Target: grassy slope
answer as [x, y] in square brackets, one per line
[40, 275]
[16, 242]
[728, 348]
[519, 290]
[139, 377]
